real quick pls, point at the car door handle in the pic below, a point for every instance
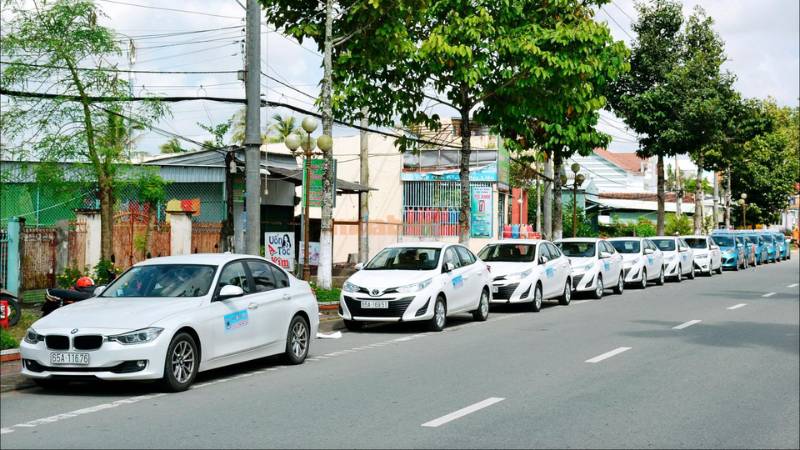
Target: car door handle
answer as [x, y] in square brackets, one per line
[286, 297]
[252, 306]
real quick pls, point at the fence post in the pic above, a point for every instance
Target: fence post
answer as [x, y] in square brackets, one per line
[91, 217]
[180, 236]
[13, 267]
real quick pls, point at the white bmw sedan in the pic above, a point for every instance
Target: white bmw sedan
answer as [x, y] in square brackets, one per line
[678, 257]
[527, 271]
[417, 281]
[596, 264]
[642, 261]
[170, 318]
[707, 254]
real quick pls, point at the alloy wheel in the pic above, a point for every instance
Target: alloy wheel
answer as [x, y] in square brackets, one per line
[299, 340]
[182, 362]
[439, 314]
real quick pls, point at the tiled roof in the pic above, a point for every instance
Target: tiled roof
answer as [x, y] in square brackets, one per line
[627, 161]
[688, 197]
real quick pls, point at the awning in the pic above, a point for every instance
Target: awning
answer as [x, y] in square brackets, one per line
[638, 205]
[296, 176]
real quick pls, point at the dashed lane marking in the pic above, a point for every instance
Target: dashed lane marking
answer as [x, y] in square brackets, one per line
[607, 355]
[740, 305]
[686, 324]
[462, 412]
[769, 294]
[792, 285]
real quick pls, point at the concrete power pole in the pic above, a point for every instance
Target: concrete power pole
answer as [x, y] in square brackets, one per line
[547, 199]
[715, 205]
[252, 140]
[363, 232]
[325, 268]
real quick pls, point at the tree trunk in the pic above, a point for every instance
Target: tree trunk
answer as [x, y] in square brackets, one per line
[363, 231]
[727, 198]
[558, 206]
[660, 195]
[464, 216]
[107, 220]
[325, 268]
[538, 206]
[547, 198]
[715, 207]
[679, 189]
[698, 197]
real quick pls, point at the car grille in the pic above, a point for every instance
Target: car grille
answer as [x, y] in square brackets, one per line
[505, 292]
[576, 279]
[625, 272]
[87, 342]
[57, 342]
[396, 308]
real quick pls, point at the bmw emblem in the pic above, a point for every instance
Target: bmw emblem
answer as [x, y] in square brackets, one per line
[375, 292]
[74, 330]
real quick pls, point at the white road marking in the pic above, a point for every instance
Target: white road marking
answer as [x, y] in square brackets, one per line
[792, 285]
[6, 430]
[740, 305]
[578, 302]
[462, 412]
[686, 324]
[607, 355]
[769, 294]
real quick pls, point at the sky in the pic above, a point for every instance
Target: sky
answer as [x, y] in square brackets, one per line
[762, 43]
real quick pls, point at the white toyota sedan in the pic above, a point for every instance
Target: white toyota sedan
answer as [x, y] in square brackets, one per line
[642, 261]
[527, 271]
[170, 318]
[678, 257]
[707, 254]
[596, 265]
[417, 281]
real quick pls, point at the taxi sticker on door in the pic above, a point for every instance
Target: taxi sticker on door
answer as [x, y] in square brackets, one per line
[235, 320]
[458, 281]
[550, 272]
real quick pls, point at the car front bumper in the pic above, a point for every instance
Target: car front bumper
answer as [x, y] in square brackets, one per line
[633, 273]
[401, 307]
[703, 265]
[585, 282]
[505, 291]
[112, 361]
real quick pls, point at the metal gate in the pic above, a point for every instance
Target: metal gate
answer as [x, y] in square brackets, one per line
[431, 208]
[3, 258]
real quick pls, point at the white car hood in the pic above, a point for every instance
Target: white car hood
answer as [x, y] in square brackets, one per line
[701, 252]
[116, 313]
[384, 279]
[500, 268]
[580, 262]
[631, 256]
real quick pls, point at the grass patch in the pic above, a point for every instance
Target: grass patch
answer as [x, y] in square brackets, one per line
[12, 337]
[327, 295]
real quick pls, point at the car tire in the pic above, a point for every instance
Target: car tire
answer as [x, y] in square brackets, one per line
[536, 304]
[482, 313]
[620, 287]
[597, 294]
[679, 276]
[353, 325]
[719, 269]
[298, 340]
[643, 283]
[181, 363]
[736, 267]
[691, 273]
[566, 296]
[661, 278]
[439, 319]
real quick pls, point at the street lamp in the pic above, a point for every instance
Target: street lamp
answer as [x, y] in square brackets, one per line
[743, 202]
[294, 142]
[578, 180]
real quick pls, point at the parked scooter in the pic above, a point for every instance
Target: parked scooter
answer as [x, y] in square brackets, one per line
[56, 298]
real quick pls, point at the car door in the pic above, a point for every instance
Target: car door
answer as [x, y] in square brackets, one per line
[472, 274]
[560, 265]
[273, 300]
[714, 253]
[612, 266]
[455, 286]
[651, 261]
[686, 254]
[547, 273]
[234, 322]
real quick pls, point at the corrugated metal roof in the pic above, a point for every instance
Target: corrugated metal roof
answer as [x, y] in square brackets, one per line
[296, 176]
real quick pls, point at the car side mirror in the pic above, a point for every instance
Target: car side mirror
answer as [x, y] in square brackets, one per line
[648, 251]
[604, 255]
[448, 267]
[715, 247]
[359, 266]
[99, 290]
[543, 260]
[230, 291]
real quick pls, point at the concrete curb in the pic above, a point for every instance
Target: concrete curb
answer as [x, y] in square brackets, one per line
[9, 355]
[330, 325]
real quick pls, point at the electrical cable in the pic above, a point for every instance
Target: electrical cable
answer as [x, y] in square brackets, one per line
[161, 8]
[91, 69]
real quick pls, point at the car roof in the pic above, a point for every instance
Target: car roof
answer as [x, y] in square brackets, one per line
[421, 244]
[196, 258]
[578, 239]
[666, 237]
[628, 238]
[516, 241]
[694, 236]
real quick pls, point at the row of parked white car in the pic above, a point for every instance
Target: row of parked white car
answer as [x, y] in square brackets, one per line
[428, 281]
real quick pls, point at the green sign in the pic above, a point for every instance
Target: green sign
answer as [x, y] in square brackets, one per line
[316, 171]
[481, 212]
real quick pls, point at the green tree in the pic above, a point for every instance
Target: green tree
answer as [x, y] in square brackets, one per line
[172, 146]
[676, 224]
[48, 47]
[218, 132]
[283, 126]
[647, 97]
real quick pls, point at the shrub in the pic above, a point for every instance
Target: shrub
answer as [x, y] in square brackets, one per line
[7, 341]
[676, 224]
[105, 272]
[68, 278]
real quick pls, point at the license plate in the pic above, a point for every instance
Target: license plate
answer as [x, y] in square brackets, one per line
[64, 358]
[495, 289]
[374, 304]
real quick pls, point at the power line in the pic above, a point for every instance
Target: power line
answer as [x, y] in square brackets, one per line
[175, 33]
[91, 69]
[288, 86]
[216, 47]
[623, 11]
[617, 23]
[175, 44]
[109, 99]
[172, 9]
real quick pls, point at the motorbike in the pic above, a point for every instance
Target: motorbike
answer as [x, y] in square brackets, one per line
[14, 306]
[56, 298]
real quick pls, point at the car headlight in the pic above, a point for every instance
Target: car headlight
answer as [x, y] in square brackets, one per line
[349, 287]
[32, 337]
[415, 287]
[628, 263]
[137, 337]
[519, 275]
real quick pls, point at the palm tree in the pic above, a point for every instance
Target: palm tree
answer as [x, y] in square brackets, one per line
[239, 127]
[282, 127]
[172, 146]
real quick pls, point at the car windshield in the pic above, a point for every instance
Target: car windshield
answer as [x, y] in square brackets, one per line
[627, 246]
[405, 258]
[163, 280]
[508, 253]
[696, 242]
[722, 241]
[767, 237]
[666, 245]
[577, 249]
[752, 239]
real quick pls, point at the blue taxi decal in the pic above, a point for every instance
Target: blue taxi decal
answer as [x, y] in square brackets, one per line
[235, 320]
[549, 272]
[606, 265]
[458, 281]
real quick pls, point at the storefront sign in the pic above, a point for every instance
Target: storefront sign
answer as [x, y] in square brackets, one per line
[280, 249]
[481, 214]
[485, 173]
[313, 249]
[316, 171]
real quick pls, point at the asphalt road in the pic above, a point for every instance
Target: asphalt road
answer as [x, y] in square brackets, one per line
[609, 373]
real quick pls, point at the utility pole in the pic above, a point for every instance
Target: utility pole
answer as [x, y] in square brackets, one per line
[715, 205]
[252, 139]
[363, 231]
[547, 198]
[325, 268]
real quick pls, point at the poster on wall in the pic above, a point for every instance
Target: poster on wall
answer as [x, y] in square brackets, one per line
[280, 249]
[481, 214]
[313, 250]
